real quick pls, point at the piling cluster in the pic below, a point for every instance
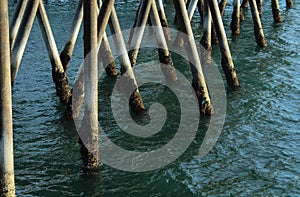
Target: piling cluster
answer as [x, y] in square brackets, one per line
[96, 16]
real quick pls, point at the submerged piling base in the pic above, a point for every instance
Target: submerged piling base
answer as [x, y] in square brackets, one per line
[289, 4]
[276, 12]
[258, 30]
[245, 4]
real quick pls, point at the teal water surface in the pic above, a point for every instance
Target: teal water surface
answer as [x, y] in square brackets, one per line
[257, 153]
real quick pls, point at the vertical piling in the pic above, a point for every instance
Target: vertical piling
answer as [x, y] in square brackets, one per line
[289, 4]
[258, 30]
[227, 63]
[235, 23]
[89, 149]
[58, 74]
[135, 99]
[7, 183]
[198, 83]
[206, 37]
[276, 11]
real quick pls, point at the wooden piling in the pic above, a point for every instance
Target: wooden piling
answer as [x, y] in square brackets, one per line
[258, 30]
[134, 25]
[139, 31]
[163, 20]
[235, 23]
[163, 51]
[67, 52]
[289, 4]
[200, 6]
[222, 6]
[135, 99]
[245, 4]
[259, 6]
[227, 63]
[19, 43]
[105, 53]
[206, 37]
[16, 20]
[7, 183]
[276, 11]
[191, 8]
[198, 83]
[89, 146]
[58, 74]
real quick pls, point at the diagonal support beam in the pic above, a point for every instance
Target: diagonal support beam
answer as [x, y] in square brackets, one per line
[58, 74]
[198, 83]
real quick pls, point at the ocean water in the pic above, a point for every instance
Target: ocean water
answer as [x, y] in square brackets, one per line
[257, 152]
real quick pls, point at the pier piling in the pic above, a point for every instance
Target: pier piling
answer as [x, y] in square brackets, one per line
[89, 146]
[206, 37]
[276, 11]
[289, 4]
[235, 23]
[259, 7]
[67, 52]
[58, 74]
[227, 63]
[258, 30]
[135, 99]
[198, 83]
[7, 183]
[245, 4]
[19, 43]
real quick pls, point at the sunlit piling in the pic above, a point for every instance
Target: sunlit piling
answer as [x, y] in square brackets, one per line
[135, 99]
[148, 8]
[163, 51]
[191, 8]
[105, 53]
[16, 20]
[19, 43]
[58, 74]
[259, 7]
[163, 20]
[227, 63]
[67, 52]
[198, 83]
[206, 36]
[276, 11]
[7, 183]
[138, 31]
[258, 30]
